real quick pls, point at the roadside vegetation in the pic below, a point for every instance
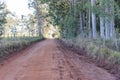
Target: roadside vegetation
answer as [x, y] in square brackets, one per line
[104, 54]
[16, 32]
[10, 45]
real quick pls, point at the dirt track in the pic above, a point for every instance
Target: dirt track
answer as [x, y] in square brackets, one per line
[48, 60]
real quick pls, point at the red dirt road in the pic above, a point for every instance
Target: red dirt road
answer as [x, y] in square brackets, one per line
[49, 60]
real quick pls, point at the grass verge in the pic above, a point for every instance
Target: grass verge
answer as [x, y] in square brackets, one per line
[8, 46]
[102, 55]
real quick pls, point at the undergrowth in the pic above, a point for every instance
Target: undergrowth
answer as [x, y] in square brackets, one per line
[102, 52]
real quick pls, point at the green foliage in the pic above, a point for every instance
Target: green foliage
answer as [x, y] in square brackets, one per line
[64, 18]
[66, 14]
[58, 11]
[3, 14]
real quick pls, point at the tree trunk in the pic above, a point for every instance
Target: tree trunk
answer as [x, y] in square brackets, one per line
[81, 25]
[112, 29]
[89, 23]
[102, 22]
[102, 28]
[94, 32]
[38, 14]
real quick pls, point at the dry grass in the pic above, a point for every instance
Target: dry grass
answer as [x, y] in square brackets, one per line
[9, 45]
[103, 54]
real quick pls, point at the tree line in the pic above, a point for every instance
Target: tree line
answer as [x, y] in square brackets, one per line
[10, 23]
[87, 18]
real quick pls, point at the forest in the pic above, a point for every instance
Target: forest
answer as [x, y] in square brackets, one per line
[92, 20]
[87, 18]
[91, 25]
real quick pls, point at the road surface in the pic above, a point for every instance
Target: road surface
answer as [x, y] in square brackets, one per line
[49, 60]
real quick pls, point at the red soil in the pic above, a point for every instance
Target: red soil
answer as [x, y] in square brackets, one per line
[49, 60]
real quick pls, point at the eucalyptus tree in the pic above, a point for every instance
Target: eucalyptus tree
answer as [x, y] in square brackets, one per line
[86, 17]
[117, 14]
[80, 7]
[102, 20]
[112, 22]
[36, 5]
[93, 2]
[30, 23]
[107, 27]
[3, 14]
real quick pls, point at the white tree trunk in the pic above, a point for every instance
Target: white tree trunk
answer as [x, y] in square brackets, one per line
[89, 23]
[102, 22]
[94, 32]
[38, 14]
[109, 20]
[107, 29]
[81, 25]
[102, 28]
[112, 29]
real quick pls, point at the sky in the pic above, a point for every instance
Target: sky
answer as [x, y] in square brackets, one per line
[19, 7]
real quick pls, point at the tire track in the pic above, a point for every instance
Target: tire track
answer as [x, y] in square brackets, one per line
[50, 60]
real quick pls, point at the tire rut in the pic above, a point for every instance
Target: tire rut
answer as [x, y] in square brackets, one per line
[81, 69]
[50, 60]
[74, 72]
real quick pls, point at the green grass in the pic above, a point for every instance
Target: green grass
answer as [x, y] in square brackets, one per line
[97, 50]
[9, 45]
